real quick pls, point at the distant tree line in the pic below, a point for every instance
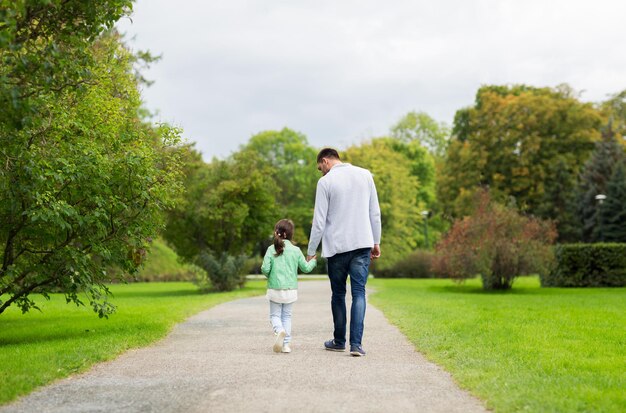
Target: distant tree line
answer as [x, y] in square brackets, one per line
[87, 180]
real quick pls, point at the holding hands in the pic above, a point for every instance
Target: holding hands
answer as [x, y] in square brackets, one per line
[375, 252]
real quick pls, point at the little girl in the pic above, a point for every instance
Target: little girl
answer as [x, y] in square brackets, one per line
[280, 266]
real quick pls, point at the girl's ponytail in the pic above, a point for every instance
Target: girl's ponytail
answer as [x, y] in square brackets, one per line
[282, 230]
[279, 244]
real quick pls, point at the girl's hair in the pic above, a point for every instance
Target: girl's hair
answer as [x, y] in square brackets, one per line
[282, 230]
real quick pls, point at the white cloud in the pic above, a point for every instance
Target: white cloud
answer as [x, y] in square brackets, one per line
[340, 71]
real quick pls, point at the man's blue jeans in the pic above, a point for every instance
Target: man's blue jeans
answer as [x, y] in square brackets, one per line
[355, 263]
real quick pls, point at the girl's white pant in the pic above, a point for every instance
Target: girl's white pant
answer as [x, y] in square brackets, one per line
[280, 318]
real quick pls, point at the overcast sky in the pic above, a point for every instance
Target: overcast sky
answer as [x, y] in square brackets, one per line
[342, 71]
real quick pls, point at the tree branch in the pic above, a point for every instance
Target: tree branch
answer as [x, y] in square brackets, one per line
[45, 258]
[22, 293]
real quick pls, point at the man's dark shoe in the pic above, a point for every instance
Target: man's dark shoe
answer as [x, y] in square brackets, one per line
[357, 351]
[332, 346]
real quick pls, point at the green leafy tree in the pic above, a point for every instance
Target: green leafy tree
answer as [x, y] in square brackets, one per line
[293, 168]
[229, 207]
[84, 180]
[46, 47]
[420, 127]
[396, 187]
[614, 109]
[422, 167]
[512, 140]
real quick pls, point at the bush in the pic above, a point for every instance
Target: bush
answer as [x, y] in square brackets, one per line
[496, 242]
[588, 265]
[418, 264]
[163, 264]
[253, 265]
[221, 274]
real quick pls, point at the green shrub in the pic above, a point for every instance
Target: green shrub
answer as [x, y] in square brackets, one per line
[221, 274]
[253, 265]
[417, 264]
[163, 264]
[588, 265]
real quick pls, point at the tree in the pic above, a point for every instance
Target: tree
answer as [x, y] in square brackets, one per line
[229, 207]
[422, 167]
[396, 189]
[84, 180]
[420, 127]
[613, 211]
[594, 178]
[512, 140]
[46, 48]
[497, 243]
[294, 170]
[559, 202]
[614, 110]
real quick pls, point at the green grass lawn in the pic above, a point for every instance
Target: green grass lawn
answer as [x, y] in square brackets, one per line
[530, 349]
[37, 348]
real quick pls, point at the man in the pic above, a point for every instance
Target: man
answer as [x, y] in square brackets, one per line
[347, 221]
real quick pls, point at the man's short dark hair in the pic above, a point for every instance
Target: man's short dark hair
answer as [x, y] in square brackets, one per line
[329, 153]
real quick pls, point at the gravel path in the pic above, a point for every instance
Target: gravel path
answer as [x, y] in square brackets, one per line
[221, 360]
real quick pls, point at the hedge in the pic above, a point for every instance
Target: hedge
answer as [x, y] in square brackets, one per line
[588, 265]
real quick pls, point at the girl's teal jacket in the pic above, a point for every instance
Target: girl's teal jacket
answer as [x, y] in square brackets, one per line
[282, 271]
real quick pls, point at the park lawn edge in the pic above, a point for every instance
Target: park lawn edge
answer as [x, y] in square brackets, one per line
[430, 356]
[454, 360]
[125, 342]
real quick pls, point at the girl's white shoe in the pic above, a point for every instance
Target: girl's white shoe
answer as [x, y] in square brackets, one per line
[286, 348]
[278, 343]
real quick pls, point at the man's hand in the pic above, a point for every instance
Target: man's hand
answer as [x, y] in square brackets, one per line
[310, 257]
[375, 252]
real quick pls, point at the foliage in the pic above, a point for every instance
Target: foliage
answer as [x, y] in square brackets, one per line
[225, 273]
[163, 264]
[559, 200]
[423, 167]
[515, 140]
[588, 265]
[612, 214]
[594, 180]
[293, 168]
[561, 350]
[417, 264]
[496, 242]
[39, 348]
[229, 206]
[396, 188]
[419, 127]
[84, 180]
[46, 47]
[614, 109]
